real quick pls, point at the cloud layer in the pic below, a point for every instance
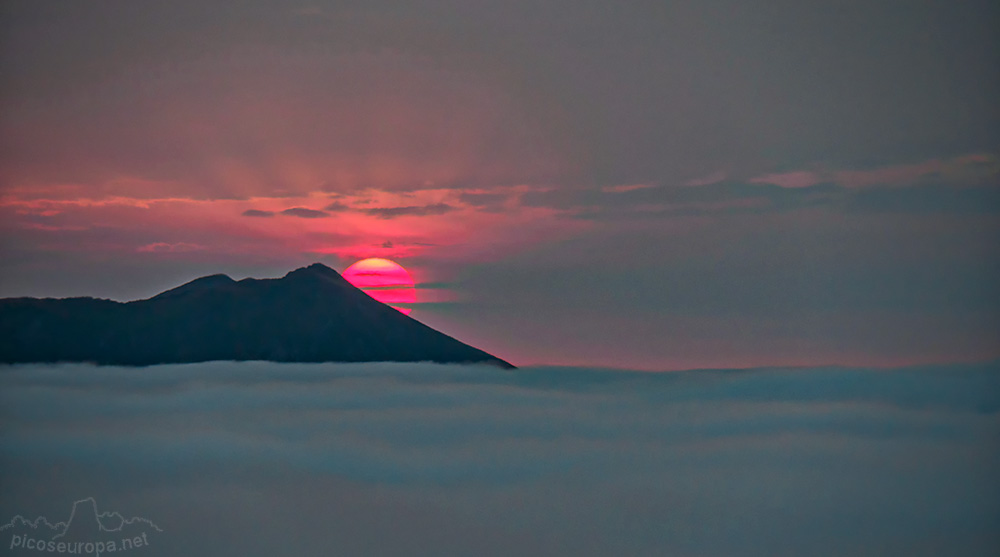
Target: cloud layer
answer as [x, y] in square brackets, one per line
[376, 459]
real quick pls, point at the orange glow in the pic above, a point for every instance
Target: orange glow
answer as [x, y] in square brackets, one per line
[384, 280]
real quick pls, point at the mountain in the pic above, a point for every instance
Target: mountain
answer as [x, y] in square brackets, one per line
[311, 314]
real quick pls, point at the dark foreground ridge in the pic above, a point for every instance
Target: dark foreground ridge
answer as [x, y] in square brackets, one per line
[312, 314]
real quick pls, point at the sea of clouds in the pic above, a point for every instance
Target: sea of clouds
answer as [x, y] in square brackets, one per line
[420, 459]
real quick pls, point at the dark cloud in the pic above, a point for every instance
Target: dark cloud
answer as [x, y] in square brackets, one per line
[723, 199]
[484, 200]
[417, 211]
[388, 459]
[304, 213]
[664, 201]
[394, 212]
[336, 207]
[257, 213]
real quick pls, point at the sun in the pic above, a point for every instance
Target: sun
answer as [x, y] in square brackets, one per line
[384, 280]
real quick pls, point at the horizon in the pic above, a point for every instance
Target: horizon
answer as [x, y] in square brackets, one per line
[571, 363]
[896, 365]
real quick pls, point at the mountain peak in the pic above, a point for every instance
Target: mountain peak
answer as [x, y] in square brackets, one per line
[314, 269]
[317, 272]
[311, 315]
[196, 285]
[319, 268]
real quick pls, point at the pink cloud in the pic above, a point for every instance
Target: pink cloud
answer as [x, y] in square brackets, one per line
[887, 175]
[977, 158]
[432, 223]
[795, 179]
[707, 180]
[625, 188]
[969, 168]
[159, 247]
[961, 169]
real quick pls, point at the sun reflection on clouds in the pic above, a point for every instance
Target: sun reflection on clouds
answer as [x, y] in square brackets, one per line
[437, 223]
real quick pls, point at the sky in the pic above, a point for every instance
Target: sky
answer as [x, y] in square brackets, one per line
[645, 185]
[260, 458]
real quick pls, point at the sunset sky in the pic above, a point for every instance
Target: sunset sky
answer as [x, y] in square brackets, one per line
[648, 185]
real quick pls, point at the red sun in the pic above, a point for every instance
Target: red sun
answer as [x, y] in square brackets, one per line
[384, 280]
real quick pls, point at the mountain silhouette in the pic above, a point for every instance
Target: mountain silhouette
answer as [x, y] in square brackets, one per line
[311, 314]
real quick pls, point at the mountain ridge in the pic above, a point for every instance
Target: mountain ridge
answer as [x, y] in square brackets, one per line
[312, 314]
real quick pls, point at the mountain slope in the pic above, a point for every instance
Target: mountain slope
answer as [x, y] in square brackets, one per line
[312, 314]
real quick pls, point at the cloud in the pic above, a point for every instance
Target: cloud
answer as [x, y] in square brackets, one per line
[257, 213]
[962, 171]
[626, 188]
[336, 207]
[712, 178]
[394, 212]
[662, 202]
[486, 200]
[241, 238]
[797, 179]
[378, 458]
[965, 170]
[159, 247]
[412, 211]
[304, 213]
[962, 184]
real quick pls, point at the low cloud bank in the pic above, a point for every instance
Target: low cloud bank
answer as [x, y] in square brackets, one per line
[401, 459]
